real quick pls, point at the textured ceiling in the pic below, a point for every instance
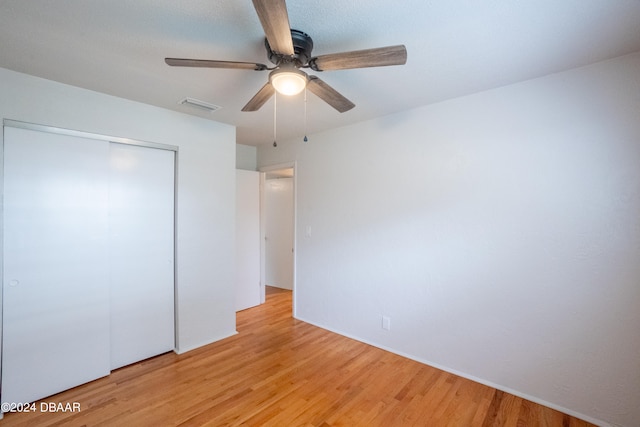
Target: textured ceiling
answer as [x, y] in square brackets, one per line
[455, 47]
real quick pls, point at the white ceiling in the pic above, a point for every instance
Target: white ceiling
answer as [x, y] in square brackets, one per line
[455, 47]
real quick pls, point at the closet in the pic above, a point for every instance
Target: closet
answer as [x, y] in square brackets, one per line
[88, 257]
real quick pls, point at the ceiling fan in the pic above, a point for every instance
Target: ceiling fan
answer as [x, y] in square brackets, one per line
[290, 50]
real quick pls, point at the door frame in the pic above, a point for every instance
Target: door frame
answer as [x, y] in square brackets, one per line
[263, 171]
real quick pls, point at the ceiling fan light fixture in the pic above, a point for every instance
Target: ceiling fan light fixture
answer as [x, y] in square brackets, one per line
[290, 50]
[288, 81]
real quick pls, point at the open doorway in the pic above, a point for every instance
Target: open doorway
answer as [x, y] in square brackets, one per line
[278, 228]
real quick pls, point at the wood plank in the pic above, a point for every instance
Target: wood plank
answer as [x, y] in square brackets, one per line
[280, 371]
[275, 22]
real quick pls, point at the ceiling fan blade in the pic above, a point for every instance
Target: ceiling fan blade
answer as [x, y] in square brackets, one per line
[259, 98]
[205, 63]
[275, 22]
[329, 94]
[377, 57]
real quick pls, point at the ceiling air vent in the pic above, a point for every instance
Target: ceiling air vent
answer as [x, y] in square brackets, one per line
[202, 105]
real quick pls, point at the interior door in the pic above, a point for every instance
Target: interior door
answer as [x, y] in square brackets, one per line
[141, 252]
[279, 232]
[55, 281]
[248, 289]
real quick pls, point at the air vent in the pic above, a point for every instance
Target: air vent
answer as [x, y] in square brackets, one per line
[202, 105]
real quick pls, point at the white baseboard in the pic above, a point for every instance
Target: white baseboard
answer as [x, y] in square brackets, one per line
[182, 350]
[467, 376]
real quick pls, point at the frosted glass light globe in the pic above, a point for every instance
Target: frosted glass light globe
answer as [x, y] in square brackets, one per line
[288, 82]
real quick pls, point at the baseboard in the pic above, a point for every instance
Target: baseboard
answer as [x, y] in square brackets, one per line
[467, 376]
[183, 350]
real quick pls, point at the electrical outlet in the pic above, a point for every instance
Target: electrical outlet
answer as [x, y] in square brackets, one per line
[386, 323]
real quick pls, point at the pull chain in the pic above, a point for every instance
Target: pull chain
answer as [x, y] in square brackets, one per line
[275, 121]
[305, 139]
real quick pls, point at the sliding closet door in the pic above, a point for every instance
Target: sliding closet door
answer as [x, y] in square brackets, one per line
[55, 280]
[141, 222]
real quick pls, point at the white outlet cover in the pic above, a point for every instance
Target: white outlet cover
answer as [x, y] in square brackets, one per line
[386, 323]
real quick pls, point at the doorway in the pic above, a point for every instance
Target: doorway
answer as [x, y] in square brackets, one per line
[278, 228]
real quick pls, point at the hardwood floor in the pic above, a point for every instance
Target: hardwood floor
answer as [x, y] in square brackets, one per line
[279, 371]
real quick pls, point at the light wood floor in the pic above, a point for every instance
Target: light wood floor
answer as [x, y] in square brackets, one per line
[279, 371]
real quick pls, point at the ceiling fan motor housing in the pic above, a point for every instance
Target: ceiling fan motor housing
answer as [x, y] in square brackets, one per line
[302, 46]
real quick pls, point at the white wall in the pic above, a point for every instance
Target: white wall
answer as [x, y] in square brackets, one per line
[246, 157]
[500, 232]
[205, 199]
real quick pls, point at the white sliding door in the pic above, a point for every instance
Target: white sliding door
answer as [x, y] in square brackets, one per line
[55, 280]
[88, 259]
[141, 223]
